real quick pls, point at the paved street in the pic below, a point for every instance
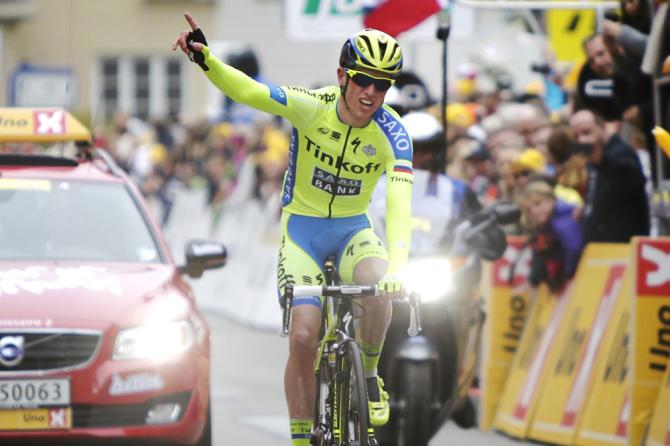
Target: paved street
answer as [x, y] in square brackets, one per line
[247, 380]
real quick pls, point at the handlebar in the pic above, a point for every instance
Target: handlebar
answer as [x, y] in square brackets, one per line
[344, 291]
[341, 291]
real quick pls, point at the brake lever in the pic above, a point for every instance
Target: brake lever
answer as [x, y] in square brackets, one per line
[287, 301]
[414, 328]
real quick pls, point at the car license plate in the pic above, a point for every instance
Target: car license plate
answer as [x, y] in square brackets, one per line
[34, 393]
[36, 419]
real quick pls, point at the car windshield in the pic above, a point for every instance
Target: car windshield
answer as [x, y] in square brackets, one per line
[72, 220]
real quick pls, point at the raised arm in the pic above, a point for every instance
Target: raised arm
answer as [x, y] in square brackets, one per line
[237, 85]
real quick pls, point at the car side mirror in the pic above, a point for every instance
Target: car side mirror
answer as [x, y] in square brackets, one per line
[202, 255]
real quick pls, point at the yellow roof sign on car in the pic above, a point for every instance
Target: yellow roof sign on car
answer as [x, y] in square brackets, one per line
[40, 125]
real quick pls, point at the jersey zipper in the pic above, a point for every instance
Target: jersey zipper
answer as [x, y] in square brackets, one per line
[339, 169]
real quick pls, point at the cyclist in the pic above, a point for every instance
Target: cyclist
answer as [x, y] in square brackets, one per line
[343, 139]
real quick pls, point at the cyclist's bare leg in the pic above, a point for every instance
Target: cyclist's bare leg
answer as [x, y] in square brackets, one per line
[372, 326]
[299, 378]
[371, 331]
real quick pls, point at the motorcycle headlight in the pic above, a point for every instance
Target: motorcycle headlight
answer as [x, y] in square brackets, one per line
[158, 341]
[431, 277]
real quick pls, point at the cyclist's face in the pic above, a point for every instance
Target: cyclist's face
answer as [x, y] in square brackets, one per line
[363, 102]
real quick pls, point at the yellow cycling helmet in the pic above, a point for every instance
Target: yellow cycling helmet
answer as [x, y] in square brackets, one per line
[372, 49]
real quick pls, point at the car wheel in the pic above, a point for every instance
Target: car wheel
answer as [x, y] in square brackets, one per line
[206, 437]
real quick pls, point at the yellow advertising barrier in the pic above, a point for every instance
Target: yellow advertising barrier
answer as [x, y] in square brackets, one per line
[570, 367]
[605, 417]
[525, 377]
[507, 307]
[659, 429]
[650, 333]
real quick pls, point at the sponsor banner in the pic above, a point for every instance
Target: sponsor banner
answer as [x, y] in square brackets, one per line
[46, 125]
[524, 380]
[507, 306]
[605, 417]
[659, 429]
[569, 371]
[329, 20]
[650, 333]
[567, 29]
[36, 419]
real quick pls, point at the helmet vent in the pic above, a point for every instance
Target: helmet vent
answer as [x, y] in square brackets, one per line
[382, 49]
[366, 39]
[396, 47]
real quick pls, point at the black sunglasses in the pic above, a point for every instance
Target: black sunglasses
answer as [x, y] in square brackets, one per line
[364, 80]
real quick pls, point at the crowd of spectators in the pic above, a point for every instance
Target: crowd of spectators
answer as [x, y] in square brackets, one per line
[222, 158]
[576, 156]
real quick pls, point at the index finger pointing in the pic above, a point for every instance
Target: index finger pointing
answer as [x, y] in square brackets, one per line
[191, 21]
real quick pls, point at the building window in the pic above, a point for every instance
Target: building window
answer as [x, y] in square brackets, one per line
[145, 87]
[142, 87]
[173, 86]
[110, 86]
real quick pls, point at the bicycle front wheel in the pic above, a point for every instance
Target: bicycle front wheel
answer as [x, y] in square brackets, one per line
[353, 404]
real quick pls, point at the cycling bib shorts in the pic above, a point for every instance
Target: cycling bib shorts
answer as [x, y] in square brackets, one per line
[306, 242]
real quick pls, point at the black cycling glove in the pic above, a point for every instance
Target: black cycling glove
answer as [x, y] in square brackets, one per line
[196, 56]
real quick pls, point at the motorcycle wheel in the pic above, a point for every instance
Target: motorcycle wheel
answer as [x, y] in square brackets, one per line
[415, 393]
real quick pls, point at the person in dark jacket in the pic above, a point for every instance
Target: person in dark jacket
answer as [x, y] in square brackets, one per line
[599, 86]
[555, 233]
[616, 207]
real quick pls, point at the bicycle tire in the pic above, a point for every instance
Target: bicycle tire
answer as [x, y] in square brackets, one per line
[353, 397]
[322, 418]
[415, 392]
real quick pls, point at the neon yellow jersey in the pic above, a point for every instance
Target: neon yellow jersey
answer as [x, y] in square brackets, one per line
[333, 168]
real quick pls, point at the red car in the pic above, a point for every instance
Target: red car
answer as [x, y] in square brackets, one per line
[100, 336]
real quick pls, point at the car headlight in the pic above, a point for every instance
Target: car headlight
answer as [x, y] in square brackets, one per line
[431, 277]
[157, 341]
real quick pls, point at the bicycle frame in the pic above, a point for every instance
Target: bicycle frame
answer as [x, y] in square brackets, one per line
[337, 314]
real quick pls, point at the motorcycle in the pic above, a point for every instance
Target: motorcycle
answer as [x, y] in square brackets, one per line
[429, 375]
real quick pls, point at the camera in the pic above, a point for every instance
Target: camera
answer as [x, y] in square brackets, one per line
[541, 68]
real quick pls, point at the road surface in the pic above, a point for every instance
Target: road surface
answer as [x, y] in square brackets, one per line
[247, 392]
